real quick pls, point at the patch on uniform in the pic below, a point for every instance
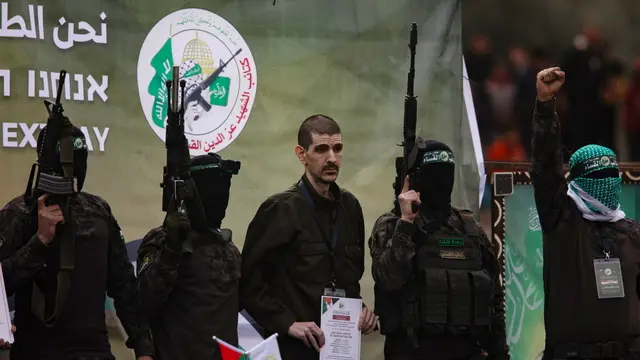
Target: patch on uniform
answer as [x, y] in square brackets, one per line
[122, 236]
[452, 255]
[145, 262]
[2, 240]
[449, 242]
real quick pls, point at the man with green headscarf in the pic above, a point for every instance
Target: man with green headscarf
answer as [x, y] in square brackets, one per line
[591, 251]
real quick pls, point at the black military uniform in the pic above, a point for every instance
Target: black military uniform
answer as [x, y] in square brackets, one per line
[189, 281]
[101, 264]
[437, 287]
[297, 243]
[578, 324]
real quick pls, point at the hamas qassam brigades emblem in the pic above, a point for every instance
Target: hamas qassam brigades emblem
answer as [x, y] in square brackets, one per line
[199, 42]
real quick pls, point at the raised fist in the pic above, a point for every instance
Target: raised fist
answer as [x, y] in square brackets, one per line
[548, 83]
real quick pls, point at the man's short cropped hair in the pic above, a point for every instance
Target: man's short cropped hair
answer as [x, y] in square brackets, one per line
[316, 124]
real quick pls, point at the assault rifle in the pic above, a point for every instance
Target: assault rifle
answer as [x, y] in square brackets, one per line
[406, 162]
[179, 192]
[196, 95]
[57, 137]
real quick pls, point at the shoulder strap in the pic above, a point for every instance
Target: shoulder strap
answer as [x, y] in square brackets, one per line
[470, 226]
[67, 266]
[227, 234]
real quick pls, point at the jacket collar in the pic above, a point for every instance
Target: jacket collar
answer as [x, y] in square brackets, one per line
[334, 190]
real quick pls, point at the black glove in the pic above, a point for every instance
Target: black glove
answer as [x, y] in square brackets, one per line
[178, 227]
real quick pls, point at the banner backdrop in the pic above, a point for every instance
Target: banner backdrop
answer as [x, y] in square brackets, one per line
[347, 59]
[523, 269]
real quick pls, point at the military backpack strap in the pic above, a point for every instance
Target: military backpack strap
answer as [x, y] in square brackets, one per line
[67, 265]
[469, 223]
[482, 283]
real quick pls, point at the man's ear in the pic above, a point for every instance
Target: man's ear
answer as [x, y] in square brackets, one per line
[300, 153]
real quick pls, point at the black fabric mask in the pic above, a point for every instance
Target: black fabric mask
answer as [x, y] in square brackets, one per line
[80, 155]
[213, 184]
[434, 176]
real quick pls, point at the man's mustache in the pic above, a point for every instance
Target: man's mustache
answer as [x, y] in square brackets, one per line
[331, 167]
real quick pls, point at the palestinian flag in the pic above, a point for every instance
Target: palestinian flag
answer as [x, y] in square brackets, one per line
[228, 351]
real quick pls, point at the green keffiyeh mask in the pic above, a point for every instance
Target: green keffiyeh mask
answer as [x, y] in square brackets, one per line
[598, 197]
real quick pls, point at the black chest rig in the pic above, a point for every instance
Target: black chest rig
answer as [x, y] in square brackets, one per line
[453, 290]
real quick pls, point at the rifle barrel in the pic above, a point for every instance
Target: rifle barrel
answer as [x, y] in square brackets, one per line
[174, 88]
[413, 42]
[61, 78]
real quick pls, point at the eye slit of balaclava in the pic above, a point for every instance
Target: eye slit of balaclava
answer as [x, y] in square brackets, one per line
[603, 174]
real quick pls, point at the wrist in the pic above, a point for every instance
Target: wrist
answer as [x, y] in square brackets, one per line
[43, 239]
[545, 97]
[407, 219]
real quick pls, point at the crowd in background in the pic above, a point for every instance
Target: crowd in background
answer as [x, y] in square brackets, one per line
[600, 102]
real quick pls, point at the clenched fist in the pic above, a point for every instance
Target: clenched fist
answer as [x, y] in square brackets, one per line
[548, 83]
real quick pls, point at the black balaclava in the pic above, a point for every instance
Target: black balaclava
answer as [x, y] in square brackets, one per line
[433, 176]
[213, 183]
[80, 154]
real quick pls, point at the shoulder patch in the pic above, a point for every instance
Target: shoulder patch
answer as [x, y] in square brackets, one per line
[146, 261]
[3, 240]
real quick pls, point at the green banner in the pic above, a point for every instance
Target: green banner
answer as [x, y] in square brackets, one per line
[523, 269]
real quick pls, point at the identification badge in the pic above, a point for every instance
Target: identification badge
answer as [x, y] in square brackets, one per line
[335, 292]
[608, 278]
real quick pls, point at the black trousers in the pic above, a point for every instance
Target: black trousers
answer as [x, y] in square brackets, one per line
[434, 347]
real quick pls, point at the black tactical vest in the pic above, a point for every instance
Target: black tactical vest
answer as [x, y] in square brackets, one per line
[449, 291]
[454, 291]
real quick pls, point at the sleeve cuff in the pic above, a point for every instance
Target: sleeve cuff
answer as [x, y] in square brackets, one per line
[142, 345]
[38, 249]
[283, 322]
[169, 257]
[405, 227]
[545, 108]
